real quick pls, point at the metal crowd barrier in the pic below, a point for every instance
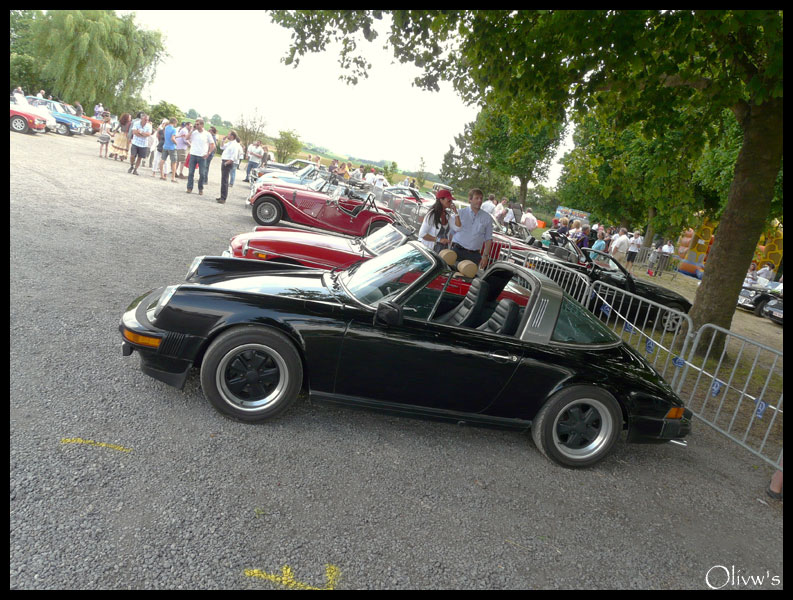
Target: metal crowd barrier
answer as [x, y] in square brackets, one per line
[736, 390]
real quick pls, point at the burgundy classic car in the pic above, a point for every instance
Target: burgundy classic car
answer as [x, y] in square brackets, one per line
[23, 121]
[322, 204]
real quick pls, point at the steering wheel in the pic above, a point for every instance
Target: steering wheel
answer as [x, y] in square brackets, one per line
[557, 238]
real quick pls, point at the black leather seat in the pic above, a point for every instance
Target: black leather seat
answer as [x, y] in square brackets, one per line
[468, 311]
[504, 319]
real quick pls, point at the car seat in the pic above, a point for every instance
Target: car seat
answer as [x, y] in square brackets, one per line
[504, 319]
[467, 312]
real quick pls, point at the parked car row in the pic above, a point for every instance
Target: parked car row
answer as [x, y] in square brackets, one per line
[764, 298]
[28, 113]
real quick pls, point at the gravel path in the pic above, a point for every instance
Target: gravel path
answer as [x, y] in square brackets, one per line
[118, 481]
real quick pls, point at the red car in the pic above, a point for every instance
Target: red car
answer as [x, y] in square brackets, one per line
[323, 204]
[25, 122]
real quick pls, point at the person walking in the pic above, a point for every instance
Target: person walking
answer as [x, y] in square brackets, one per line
[159, 149]
[633, 249]
[139, 149]
[120, 144]
[169, 150]
[201, 146]
[473, 228]
[181, 147]
[231, 151]
[104, 135]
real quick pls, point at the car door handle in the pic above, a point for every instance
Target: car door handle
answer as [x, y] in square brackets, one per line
[503, 357]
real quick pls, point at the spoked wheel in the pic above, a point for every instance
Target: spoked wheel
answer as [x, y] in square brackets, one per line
[251, 373]
[19, 124]
[62, 129]
[266, 211]
[671, 322]
[578, 427]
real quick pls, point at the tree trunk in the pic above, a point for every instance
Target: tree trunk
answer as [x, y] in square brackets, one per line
[650, 233]
[744, 217]
[524, 186]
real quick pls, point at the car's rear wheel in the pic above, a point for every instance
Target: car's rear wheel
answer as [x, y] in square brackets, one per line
[19, 124]
[62, 129]
[251, 373]
[267, 211]
[578, 427]
[671, 322]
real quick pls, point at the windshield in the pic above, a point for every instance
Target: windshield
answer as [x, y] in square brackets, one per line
[387, 274]
[305, 172]
[384, 239]
[70, 109]
[317, 185]
[602, 260]
[58, 107]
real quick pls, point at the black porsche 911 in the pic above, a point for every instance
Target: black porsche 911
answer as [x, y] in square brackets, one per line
[515, 351]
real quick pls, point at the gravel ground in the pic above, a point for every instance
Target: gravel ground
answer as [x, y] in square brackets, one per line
[172, 495]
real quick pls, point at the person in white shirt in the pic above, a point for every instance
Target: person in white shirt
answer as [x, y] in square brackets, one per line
[500, 211]
[668, 248]
[619, 246]
[436, 228]
[357, 174]
[139, 148]
[633, 249]
[201, 145]
[509, 216]
[380, 181]
[767, 272]
[472, 228]
[231, 153]
[489, 205]
[255, 155]
[370, 177]
[529, 221]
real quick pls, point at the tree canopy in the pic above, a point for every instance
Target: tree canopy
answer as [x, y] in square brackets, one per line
[663, 70]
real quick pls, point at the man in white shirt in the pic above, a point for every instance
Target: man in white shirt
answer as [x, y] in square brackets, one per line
[473, 227]
[201, 145]
[489, 205]
[668, 248]
[767, 272]
[380, 181]
[529, 221]
[139, 148]
[619, 247]
[370, 177]
[255, 154]
[231, 153]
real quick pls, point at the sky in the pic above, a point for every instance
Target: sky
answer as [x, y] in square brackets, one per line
[229, 63]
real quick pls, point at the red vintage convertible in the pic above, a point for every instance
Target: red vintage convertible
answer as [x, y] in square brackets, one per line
[323, 204]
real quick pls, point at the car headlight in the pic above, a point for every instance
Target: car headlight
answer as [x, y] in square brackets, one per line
[165, 297]
[193, 267]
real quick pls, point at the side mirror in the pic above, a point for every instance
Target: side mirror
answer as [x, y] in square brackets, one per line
[388, 313]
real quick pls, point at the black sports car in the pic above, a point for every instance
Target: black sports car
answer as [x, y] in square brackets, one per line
[515, 352]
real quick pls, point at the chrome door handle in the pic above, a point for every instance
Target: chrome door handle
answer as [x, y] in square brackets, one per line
[503, 357]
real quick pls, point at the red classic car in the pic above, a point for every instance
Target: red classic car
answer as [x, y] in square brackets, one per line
[25, 122]
[322, 204]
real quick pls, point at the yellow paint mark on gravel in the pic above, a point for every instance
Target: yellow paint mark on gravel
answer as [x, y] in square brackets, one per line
[93, 443]
[287, 578]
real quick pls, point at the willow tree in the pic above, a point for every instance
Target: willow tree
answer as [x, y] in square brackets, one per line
[660, 68]
[96, 56]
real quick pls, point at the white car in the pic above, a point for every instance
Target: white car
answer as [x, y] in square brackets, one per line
[40, 111]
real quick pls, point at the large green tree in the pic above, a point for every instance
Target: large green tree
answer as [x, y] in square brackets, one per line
[463, 171]
[662, 68]
[511, 144]
[286, 145]
[96, 56]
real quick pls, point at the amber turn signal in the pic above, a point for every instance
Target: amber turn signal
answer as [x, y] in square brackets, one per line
[675, 413]
[142, 340]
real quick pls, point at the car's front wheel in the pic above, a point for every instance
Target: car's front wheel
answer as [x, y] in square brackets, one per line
[267, 211]
[251, 373]
[62, 129]
[19, 124]
[578, 427]
[670, 321]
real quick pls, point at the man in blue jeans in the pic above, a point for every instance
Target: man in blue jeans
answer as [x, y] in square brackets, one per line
[201, 145]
